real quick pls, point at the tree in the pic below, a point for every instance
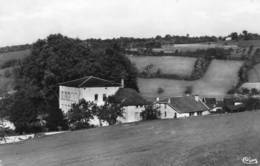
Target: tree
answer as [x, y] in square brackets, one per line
[151, 112]
[234, 36]
[160, 90]
[109, 112]
[57, 59]
[80, 114]
[21, 111]
[245, 34]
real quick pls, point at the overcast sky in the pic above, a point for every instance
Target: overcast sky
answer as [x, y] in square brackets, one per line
[24, 21]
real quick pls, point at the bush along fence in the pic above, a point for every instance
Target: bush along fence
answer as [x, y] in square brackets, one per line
[248, 65]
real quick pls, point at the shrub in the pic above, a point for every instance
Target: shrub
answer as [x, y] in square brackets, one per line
[150, 113]
[80, 114]
[188, 90]
[160, 90]
[109, 112]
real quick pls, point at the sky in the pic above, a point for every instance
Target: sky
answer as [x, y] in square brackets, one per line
[25, 21]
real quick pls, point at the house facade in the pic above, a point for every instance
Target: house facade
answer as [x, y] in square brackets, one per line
[133, 104]
[181, 107]
[97, 90]
[90, 88]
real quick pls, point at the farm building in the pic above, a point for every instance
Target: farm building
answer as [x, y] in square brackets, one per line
[251, 85]
[98, 90]
[133, 104]
[181, 107]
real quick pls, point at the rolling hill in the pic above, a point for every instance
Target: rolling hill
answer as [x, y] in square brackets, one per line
[220, 77]
[210, 140]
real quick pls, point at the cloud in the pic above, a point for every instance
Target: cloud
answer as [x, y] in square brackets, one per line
[27, 20]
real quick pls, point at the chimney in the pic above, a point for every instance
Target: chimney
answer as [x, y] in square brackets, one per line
[122, 83]
[197, 98]
[169, 101]
[157, 99]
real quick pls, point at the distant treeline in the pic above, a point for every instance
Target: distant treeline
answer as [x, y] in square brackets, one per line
[14, 48]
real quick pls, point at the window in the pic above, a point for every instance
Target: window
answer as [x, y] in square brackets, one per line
[165, 114]
[104, 97]
[96, 97]
[191, 113]
[199, 113]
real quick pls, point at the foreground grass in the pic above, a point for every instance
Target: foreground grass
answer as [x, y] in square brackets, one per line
[211, 140]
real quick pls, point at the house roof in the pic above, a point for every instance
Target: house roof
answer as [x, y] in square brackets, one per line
[129, 97]
[186, 104]
[90, 81]
[210, 102]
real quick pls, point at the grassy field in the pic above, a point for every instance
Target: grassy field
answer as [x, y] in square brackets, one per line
[7, 83]
[167, 64]
[4, 57]
[220, 77]
[248, 43]
[254, 74]
[214, 140]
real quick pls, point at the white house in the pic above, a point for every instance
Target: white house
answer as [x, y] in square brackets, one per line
[133, 104]
[89, 88]
[181, 107]
[97, 90]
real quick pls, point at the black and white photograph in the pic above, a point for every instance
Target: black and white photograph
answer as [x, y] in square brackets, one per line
[129, 82]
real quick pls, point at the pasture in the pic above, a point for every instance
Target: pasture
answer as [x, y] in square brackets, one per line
[167, 64]
[254, 74]
[4, 57]
[6, 74]
[214, 140]
[221, 76]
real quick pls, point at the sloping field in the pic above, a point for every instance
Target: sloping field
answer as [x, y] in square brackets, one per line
[220, 140]
[7, 80]
[254, 74]
[149, 87]
[4, 57]
[248, 43]
[220, 77]
[167, 64]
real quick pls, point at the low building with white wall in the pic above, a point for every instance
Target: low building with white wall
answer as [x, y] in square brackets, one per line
[181, 107]
[133, 104]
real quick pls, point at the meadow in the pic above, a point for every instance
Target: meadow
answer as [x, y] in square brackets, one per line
[167, 64]
[220, 77]
[6, 74]
[213, 140]
[4, 57]
[254, 74]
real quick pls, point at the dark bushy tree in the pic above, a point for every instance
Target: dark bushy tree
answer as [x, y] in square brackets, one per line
[151, 112]
[80, 114]
[110, 112]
